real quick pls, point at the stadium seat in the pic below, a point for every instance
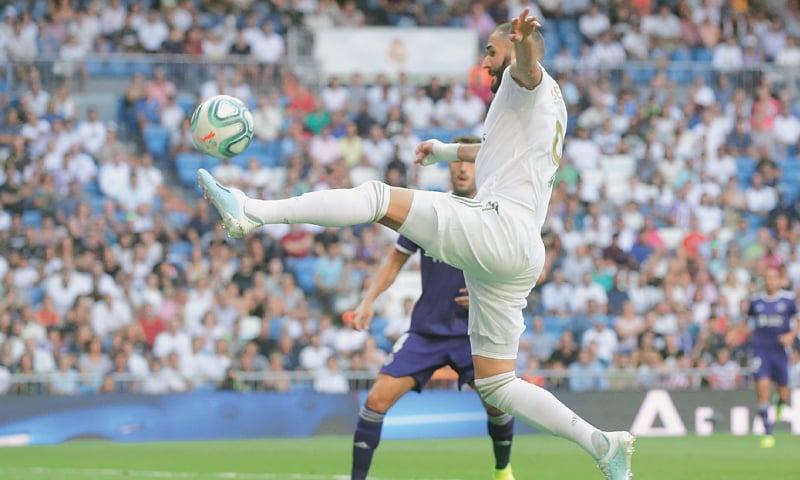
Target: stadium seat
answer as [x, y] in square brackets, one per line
[32, 218]
[303, 269]
[187, 164]
[156, 140]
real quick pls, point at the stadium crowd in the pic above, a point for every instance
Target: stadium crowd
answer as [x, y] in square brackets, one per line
[672, 199]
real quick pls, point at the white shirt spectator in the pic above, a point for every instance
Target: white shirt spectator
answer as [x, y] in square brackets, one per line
[665, 25]
[557, 297]
[324, 148]
[229, 173]
[267, 120]
[92, 135]
[588, 291]
[112, 17]
[405, 143]
[727, 56]
[153, 32]
[786, 129]
[594, 23]
[268, 47]
[81, 167]
[172, 116]
[330, 379]
[584, 154]
[109, 317]
[112, 175]
[605, 339]
[313, 358]
[378, 152]
[167, 342]
[725, 376]
[64, 290]
[471, 110]
[789, 56]
[608, 54]
[760, 199]
[37, 100]
[334, 97]
[446, 112]
[419, 110]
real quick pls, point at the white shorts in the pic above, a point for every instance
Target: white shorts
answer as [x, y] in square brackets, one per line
[501, 253]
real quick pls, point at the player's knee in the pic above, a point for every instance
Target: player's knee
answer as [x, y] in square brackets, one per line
[494, 390]
[378, 194]
[379, 400]
[492, 411]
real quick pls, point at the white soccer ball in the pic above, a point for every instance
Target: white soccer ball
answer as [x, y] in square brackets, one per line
[222, 126]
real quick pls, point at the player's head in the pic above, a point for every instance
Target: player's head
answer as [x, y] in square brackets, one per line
[462, 174]
[772, 280]
[500, 52]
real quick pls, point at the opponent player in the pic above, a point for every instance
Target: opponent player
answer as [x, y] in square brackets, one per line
[437, 337]
[495, 238]
[772, 313]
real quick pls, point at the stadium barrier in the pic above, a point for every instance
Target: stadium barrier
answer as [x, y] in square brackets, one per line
[433, 414]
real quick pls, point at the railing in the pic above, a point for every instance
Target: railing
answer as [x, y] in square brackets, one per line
[188, 72]
[42, 384]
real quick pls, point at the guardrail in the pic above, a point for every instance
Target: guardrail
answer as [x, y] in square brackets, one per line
[681, 379]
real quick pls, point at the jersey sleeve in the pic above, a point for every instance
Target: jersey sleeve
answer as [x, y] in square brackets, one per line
[405, 245]
[513, 95]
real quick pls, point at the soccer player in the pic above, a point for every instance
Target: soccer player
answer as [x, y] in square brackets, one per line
[437, 337]
[495, 238]
[772, 313]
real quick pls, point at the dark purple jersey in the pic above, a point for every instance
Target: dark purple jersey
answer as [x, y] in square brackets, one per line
[772, 317]
[436, 312]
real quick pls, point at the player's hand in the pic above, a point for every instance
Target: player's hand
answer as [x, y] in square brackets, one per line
[362, 316]
[425, 153]
[787, 339]
[462, 300]
[523, 26]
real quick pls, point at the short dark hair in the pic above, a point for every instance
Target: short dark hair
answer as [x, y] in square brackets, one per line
[504, 29]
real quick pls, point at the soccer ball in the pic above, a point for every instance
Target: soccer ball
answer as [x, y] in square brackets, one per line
[222, 126]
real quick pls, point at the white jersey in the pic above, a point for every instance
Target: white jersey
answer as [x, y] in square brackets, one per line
[522, 144]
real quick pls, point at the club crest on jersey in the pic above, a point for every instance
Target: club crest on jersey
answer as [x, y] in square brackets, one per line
[780, 307]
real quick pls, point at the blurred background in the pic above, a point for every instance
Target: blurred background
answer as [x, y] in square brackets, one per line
[678, 187]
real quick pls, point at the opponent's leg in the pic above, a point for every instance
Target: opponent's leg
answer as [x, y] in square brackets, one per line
[783, 400]
[370, 202]
[499, 386]
[382, 396]
[762, 393]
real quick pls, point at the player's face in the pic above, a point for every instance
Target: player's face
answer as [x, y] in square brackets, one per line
[772, 281]
[462, 175]
[498, 57]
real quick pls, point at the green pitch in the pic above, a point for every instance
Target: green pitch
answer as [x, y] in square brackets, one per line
[719, 457]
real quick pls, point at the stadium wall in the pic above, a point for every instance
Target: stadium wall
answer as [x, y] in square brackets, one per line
[434, 414]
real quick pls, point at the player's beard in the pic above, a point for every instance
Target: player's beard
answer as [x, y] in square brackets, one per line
[497, 74]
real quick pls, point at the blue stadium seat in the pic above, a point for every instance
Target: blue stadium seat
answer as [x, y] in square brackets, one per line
[641, 74]
[303, 269]
[679, 74]
[681, 55]
[156, 140]
[32, 218]
[186, 102]
[702, 54]
[187, 164]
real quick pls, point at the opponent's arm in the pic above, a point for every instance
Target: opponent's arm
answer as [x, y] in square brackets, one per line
[525, 68]
[434, 151]
[387, 273]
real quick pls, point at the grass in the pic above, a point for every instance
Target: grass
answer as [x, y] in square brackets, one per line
[720, 457]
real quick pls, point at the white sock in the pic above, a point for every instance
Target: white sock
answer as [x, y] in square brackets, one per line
[538, 407]
[366, 203]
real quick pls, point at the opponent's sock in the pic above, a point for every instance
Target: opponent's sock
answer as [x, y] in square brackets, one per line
[366, 203]
[501, 430]
[365, 441]
[763, 411]
[538, 407]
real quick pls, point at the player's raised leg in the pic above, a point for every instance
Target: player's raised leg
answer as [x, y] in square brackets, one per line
[370, 202]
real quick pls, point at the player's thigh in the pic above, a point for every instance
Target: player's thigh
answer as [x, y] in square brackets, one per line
[387, 390]
[416, 356]
[469, 235]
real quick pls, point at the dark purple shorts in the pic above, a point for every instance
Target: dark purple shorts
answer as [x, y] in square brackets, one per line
[773, 364]
[418, 356]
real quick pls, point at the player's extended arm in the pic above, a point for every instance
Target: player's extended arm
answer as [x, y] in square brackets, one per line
[434, 151]
[387, 273]
[525, 68]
